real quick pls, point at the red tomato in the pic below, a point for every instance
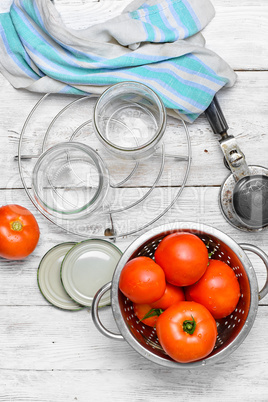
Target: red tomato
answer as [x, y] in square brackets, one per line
[183, 257]
[142, 280]
[173, 294]
[19, 232]
[187, 331]
[218, 289]
[141, 310]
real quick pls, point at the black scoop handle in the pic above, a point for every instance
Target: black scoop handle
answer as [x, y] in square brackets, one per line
[216, 118]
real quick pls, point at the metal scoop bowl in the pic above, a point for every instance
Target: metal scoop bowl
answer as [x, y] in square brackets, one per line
[244, 194]
[250, 200]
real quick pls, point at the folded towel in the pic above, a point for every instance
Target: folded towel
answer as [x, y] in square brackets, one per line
[155, 42]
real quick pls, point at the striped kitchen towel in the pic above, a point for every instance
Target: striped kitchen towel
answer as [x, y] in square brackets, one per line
[155, 42]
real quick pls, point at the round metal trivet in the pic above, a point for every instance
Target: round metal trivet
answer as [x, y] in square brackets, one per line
[141, 192]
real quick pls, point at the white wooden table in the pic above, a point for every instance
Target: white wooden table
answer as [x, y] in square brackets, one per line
[49, 355]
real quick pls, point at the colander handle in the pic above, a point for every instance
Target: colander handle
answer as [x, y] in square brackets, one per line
[95, 313]
[264, 257]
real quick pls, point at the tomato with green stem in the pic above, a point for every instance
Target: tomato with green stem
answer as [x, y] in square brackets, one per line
[187, 331]
[19, 232]
[146, 314]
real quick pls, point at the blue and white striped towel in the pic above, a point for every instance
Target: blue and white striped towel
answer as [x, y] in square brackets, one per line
[156, 42]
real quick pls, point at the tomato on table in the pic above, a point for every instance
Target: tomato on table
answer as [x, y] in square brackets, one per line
[183, 257]
[142, 280]
[19, 232]
[173, 294]
[186, 331]
[218, 289]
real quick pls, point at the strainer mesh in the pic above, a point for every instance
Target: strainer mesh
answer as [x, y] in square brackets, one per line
[228, 327]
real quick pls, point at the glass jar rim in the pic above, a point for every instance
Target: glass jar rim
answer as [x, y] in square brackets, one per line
[98, 163]
[160, 131]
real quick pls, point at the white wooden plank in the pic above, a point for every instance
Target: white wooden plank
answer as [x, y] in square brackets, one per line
[46, 351]
[48, 354]
[133, 385]
[19, 280]
[238, 32]
[245, 113]
[233, 33]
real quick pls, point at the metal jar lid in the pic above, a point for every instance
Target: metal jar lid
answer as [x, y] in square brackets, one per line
[87, 267]
[49, 281]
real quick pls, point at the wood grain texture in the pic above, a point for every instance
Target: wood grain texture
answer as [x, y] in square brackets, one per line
[45, 338]
[246, 115]
[239, 24]
[19, 280]
[134, 385]
[41, 360]
[49, 355]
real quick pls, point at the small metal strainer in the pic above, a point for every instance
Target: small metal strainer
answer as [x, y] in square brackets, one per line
[232, 330]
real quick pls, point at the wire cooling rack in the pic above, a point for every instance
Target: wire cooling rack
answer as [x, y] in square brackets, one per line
[140, 193]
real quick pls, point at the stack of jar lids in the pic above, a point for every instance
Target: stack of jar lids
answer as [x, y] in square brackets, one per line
[70, 274]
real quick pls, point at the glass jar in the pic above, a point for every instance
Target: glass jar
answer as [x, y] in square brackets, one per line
[130, 120]
[70, 180]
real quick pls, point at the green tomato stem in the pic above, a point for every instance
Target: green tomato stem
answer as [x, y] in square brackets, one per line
[153, 312]
[16, 226]
[189, 326]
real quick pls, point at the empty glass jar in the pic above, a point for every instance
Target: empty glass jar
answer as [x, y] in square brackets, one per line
[70, 180]
[130, 120]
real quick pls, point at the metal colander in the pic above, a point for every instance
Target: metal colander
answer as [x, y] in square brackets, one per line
[232, 330]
